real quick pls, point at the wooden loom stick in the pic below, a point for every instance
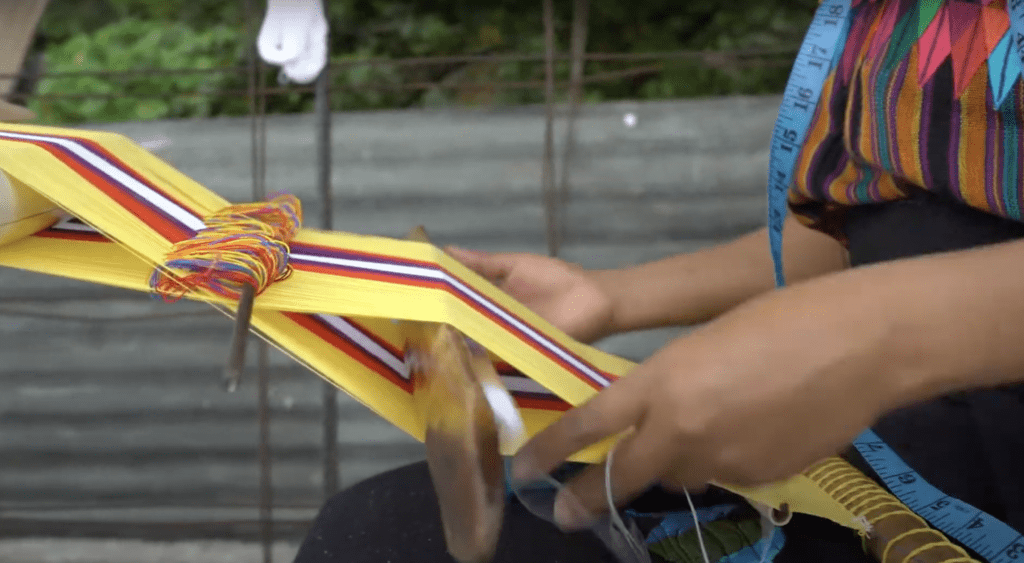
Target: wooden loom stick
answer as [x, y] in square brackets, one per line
[239, 339]
[462, 437]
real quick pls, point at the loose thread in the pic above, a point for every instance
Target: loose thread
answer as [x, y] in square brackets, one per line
[640, 551]
[617, 522]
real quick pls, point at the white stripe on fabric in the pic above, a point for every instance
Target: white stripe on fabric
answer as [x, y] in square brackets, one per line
[69, 225]
[118, 176]
[367, 344]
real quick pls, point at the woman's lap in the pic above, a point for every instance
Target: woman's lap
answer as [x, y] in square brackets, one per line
[394, 517]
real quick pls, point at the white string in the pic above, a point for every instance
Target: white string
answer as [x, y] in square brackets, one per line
[768, 543]
[613, 513]
[616, 521]
[621, 526]
[640, 549]
[696, 526]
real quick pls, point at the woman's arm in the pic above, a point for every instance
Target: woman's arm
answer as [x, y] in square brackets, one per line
[693, 288]
[791, 377]
[956, 319]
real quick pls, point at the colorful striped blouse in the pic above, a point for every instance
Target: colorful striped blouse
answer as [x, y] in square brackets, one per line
[912, 105]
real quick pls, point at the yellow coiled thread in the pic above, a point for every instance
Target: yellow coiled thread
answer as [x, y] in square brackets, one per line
[894, 529]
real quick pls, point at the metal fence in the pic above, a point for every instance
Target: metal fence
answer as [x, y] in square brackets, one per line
[562, 102]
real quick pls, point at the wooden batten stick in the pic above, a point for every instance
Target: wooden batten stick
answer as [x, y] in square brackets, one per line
[418, 234]
[239, 339]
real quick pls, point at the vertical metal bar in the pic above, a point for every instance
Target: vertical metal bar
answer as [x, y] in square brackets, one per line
[263, 362]
[323, 112]
[578, 48]
[330, 393]
[257, 109]
[259, 191]
[265, 453]
[548, 170]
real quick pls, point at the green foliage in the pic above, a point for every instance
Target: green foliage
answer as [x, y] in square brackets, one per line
[136, 45]
[89, 35]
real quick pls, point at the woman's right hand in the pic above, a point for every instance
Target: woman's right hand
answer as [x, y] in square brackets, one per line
[564, 294]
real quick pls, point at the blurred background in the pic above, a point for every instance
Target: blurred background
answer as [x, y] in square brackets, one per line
[605, 132]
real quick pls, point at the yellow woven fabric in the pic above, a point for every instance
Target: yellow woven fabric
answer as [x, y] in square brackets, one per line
[334, 313]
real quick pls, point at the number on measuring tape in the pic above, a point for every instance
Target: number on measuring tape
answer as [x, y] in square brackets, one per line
[986, 535]
[799, 101]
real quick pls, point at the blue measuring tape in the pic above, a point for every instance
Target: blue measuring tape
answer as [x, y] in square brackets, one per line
[987, 536]
[817, 54]
[1016, 11]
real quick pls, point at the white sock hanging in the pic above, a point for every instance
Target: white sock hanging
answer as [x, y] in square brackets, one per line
[294, 37]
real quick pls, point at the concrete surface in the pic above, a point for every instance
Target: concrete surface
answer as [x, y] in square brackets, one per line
[119, 551]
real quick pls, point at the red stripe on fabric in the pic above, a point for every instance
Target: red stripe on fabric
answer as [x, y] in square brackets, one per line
[72, 235]
[579, 374]
[537, 346]
[163, 226]
[399, 354]
[96, 147]
[533, 401]
[332, 252]
[542, 404]
[373, 276]
[117, 163]
[396, 278]
[314, 326]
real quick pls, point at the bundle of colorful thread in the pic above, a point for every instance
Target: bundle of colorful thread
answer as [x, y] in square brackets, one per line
[242, 245]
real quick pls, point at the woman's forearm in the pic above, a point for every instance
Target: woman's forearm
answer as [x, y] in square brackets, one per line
[693, 288]
[908, 330]
[957, 319]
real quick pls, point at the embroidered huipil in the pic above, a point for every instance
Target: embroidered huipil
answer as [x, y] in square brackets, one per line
[926, 96]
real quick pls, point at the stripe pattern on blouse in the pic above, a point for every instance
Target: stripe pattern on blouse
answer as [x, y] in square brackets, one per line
[885, 129]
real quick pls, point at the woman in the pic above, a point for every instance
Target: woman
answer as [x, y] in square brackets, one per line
[903, 312]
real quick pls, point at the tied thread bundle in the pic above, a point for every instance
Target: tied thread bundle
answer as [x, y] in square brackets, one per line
[242, 245]
[897, 535]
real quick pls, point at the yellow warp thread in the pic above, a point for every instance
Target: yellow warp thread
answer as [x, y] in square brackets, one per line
[373, 303]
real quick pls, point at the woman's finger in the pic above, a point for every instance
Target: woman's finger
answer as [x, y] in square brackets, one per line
[494, 267]
[634, 464]
[613, 410]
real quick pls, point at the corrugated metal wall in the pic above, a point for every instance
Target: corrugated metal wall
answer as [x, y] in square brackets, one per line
[126, 419]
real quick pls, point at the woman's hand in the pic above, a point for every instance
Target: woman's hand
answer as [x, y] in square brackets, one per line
[754, 397]
[680, 290]
[564, 294]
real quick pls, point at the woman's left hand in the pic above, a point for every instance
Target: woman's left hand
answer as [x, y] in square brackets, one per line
[753, 397]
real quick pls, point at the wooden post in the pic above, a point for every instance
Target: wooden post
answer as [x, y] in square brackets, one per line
[18, 22]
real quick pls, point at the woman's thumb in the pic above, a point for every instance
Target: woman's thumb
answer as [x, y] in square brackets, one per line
[463, 255]
[491, 266]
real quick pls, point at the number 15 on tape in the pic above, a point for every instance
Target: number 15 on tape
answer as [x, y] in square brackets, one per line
[823, 41]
